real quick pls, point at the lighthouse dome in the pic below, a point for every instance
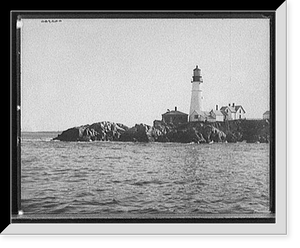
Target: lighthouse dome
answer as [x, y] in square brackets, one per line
[196, 71]
[197, 74]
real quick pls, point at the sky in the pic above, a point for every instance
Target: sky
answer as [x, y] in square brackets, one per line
[82, 71]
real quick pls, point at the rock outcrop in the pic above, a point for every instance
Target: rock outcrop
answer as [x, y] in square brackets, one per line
[141, 133]
[103, 131]
[251, 131]
[182, 133]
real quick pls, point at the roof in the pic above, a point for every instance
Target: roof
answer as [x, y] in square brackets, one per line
[207, 115]
[232, 109]
[204, 113]
[174, 112]
[267, 112]
[222, 109]
[196, 69]
[239, 106]
[217, 112]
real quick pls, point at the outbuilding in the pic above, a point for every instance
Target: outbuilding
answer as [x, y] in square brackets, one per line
[174, 117]
[266, 115]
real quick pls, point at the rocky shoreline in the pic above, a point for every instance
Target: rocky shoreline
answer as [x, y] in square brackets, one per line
[251, 131]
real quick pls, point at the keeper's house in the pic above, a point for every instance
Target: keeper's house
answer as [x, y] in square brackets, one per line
[225, 113]
[233, 112]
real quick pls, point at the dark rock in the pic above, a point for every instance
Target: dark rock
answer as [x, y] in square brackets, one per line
[199, 132]
[141, 133]
[231, 138]
[72, 134]
[185, 135]
[210, 133]
[97, 131]
[217, 135]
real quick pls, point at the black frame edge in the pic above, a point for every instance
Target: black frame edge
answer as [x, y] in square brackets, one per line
[228, 218]
[15, 116]
[272, 174]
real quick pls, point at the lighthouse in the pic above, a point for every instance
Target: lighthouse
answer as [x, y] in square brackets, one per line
[196, 99]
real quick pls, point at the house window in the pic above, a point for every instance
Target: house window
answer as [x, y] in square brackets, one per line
[196, 116]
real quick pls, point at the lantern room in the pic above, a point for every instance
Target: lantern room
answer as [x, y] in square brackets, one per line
[197, 77]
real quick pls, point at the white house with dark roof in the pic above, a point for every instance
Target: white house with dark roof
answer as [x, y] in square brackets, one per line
[217, 114]
[233, 112]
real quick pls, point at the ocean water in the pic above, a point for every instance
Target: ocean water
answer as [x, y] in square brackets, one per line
[142, 178]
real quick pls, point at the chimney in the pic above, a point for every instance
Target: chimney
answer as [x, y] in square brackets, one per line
[232, 104]
[217, 107]
[175, 108]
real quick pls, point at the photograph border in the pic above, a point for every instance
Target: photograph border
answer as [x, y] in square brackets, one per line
[16, 212]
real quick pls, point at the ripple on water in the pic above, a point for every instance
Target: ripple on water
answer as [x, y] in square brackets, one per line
[153, 178]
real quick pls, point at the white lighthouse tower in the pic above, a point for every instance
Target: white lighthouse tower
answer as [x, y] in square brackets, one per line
[196, 99]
